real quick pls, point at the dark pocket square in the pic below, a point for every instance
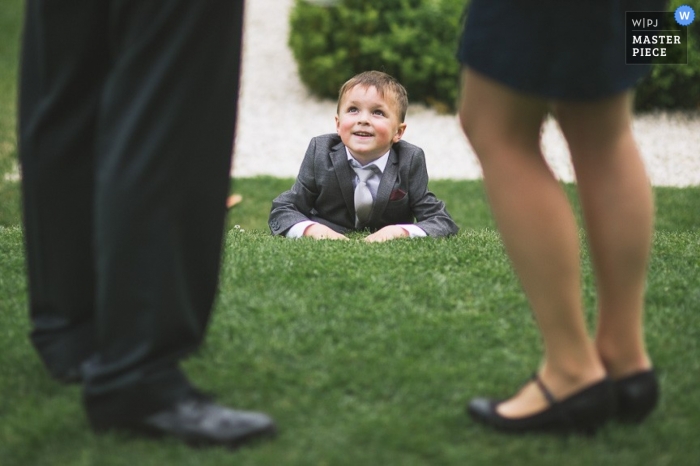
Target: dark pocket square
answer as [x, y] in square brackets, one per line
[397, 195]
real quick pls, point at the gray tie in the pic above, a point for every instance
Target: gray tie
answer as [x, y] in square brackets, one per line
[363, 196]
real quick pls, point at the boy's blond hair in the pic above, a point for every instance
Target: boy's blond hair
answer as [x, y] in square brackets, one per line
[383, 83]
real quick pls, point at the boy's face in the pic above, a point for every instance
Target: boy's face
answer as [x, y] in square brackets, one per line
[368, 124]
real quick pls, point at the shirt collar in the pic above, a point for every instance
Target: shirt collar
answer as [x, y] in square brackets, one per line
[380, 163]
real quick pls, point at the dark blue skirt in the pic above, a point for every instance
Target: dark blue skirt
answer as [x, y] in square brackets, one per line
[558, 49]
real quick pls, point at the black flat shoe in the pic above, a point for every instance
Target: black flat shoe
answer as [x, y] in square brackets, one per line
[584, 411]
[637, 396]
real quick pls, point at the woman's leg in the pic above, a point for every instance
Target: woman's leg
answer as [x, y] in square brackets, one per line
[539, 232]
[617, 205]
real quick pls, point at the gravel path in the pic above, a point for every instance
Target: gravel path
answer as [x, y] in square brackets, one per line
[278, 117]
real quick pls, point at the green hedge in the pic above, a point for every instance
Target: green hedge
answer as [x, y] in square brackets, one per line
[413, 40]
[416, 40]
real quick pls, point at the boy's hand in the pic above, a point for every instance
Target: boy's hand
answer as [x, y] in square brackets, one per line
[387, 233]
[319, 231]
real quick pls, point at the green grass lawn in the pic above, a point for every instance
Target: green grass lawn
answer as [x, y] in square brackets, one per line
[380, 377]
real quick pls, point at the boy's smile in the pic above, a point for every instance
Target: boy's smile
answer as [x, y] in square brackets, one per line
[368, 124]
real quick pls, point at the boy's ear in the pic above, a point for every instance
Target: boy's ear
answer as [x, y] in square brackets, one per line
[399, 134]
[337, 123]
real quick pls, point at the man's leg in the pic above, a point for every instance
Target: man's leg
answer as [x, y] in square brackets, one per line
[63, 64]
[165, 131]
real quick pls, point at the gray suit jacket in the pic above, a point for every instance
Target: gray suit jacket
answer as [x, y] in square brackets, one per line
[323, 192]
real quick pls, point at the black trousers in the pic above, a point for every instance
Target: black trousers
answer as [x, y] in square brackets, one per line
[127, 115]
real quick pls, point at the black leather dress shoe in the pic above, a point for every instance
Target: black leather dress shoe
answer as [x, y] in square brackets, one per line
[637, 396]
[201, 422]
[583, 412]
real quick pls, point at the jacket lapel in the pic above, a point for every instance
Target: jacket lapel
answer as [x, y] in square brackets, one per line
[344, 175]
[389, 177]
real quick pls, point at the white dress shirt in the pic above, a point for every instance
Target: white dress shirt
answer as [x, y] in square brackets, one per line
[414, 231]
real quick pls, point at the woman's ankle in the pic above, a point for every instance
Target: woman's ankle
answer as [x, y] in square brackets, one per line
[619, 364]
[565, 379]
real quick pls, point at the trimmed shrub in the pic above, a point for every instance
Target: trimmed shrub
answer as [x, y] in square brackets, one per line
[416, 41]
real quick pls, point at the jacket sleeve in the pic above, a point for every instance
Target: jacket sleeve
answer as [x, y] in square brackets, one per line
[430, 212]
[295, 205]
